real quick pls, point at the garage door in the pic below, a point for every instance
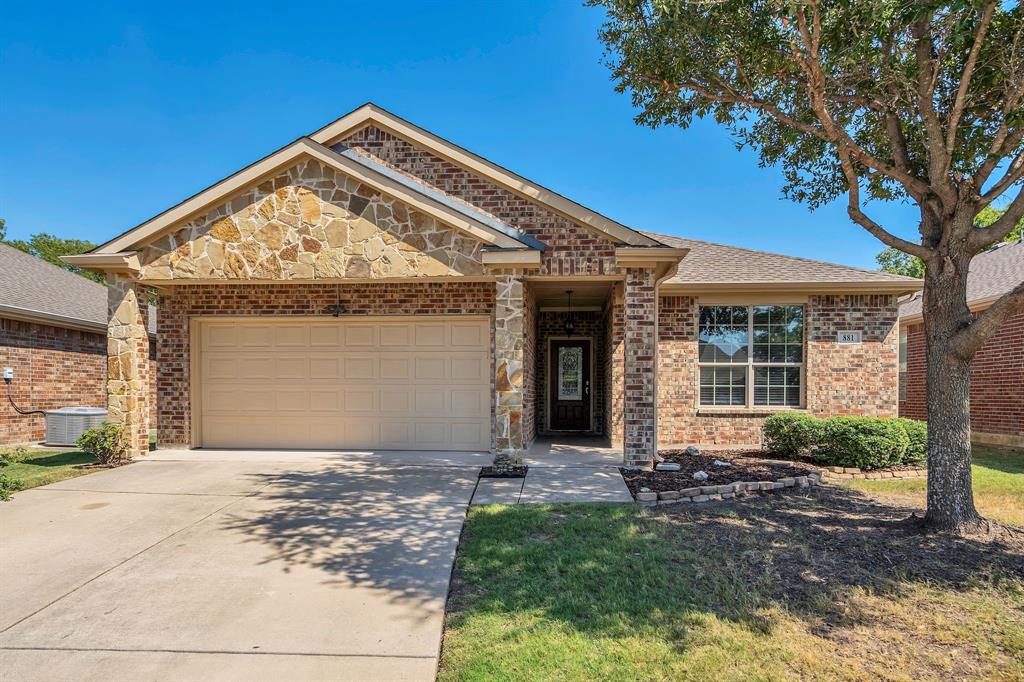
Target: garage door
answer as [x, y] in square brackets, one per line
[395, 383]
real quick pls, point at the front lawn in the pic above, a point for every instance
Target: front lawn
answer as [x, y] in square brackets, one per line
[42, 467]
[998, 485]
[823, 584]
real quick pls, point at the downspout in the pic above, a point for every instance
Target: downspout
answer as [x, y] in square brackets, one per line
[669, 272]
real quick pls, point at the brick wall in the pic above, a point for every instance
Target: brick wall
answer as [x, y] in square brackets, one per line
[53, 367]
[997, 382]
[572, 249]
[180, 304]
[530, 386]
[590, 325]
[639, 382]
[614, 369]
[838, 379]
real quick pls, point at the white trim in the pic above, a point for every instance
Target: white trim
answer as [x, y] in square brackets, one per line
[372, 114]
[520, 257]
[51, 319]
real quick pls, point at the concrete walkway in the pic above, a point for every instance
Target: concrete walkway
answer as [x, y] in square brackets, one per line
[550, 485]
[233, 566]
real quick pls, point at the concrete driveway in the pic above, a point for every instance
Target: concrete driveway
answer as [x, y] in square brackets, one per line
[234, 566]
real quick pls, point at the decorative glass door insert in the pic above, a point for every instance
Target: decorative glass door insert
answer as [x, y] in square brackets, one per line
[570, 373]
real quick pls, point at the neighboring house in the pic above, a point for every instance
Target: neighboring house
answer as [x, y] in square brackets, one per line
[997, 373]
[373, 285]
[53, 334]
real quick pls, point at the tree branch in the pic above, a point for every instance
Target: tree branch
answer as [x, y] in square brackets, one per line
[965, 80]
[981, 237]
[969, 340]
[1013, 175]
[938, 159]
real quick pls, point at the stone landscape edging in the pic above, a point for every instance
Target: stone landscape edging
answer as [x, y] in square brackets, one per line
[725, 491]
[728, 491]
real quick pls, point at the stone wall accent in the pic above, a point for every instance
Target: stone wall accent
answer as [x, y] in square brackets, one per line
[573, 248]
[639, 373]
[858, 380]
[508, 362]
[615, 368]
[854, 473]
[180, 303]
[997, 383]
[311, 222]
[589, 325]
[128, 362]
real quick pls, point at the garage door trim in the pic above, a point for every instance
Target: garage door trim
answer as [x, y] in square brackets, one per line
[195, 367]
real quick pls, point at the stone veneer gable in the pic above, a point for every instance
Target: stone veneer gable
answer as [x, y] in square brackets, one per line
[311, 222]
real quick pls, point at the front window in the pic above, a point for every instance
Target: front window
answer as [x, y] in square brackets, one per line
[751, 355]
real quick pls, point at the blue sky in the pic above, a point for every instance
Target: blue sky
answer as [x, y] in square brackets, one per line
[112, 113]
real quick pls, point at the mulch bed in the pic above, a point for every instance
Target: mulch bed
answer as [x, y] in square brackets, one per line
[745, 466]
[513, 472]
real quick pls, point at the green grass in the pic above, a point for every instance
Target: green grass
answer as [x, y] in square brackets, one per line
[787, 587]
[998, 475]
[42, 467]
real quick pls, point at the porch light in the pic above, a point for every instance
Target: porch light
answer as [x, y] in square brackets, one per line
[569, 326]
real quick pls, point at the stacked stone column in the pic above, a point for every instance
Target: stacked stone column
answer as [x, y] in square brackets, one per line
[640, 309]
[509, 342]
[128, 363]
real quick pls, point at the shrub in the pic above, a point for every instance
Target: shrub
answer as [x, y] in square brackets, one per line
[788, 433]
[106, 443]
[917, 432]
[14, 455]
[864, 442]
[8, 485]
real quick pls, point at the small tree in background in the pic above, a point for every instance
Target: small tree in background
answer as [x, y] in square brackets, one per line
[875, 100]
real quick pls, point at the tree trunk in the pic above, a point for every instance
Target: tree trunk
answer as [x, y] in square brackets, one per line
[950, 497]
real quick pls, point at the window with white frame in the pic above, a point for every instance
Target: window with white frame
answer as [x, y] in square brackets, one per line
[751, 355]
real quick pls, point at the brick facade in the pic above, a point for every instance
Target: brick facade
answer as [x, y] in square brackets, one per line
[997, 383]
[640, 344]
[855, 379]
[179, 304]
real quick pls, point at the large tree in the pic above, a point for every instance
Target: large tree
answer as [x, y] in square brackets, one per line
[877, 100]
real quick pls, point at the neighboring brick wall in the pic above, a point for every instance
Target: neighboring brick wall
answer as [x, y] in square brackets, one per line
[839, 379]
[572, 248]
[588, 325]
[179, 304]
[997, 381]
[53, 367]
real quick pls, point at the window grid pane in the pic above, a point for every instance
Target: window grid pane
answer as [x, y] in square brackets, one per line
[723, 385]
[723, 334]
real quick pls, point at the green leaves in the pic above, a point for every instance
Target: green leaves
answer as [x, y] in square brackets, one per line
[50, 248]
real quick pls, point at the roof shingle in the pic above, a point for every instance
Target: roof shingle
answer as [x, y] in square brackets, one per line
[711, 263]
[33, 285]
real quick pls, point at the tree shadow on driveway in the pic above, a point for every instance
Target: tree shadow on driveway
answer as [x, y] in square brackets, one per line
[393, 529]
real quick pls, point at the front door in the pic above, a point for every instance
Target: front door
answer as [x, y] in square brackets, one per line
[569, 385]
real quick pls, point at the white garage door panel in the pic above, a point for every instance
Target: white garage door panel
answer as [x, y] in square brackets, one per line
[396, 384]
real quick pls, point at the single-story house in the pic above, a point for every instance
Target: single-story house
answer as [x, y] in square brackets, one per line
[997, 373]
[373, 285]
[53, 337]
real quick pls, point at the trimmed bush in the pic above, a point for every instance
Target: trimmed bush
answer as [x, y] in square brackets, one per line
[917, 432]
[864, 442]
[789, 433]
[106, 443]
